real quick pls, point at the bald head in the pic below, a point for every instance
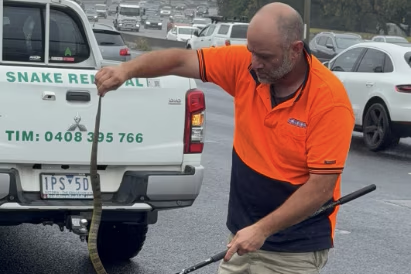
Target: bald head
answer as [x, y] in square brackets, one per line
[279, 21]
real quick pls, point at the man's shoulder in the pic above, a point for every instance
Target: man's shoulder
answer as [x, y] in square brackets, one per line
[237, 57]
[326, 88]
[234, 51]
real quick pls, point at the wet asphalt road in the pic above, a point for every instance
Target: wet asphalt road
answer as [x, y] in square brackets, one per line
[372, 236]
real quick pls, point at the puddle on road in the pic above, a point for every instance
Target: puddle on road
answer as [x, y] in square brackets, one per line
[342, 232]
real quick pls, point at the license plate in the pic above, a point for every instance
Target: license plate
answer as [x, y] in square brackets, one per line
[66, 186]
[129, 26]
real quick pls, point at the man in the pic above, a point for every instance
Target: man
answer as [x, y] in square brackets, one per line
[170, 23]
[293, 126]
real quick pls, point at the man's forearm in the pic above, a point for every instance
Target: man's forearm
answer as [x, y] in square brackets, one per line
[302, 204]
[156, 63]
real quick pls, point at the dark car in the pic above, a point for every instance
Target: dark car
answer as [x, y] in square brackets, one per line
[189, 13]
[326, 45]
[153, 22]
[111, 43]
[112, 10]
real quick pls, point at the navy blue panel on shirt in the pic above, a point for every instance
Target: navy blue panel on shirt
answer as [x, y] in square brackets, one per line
[253, 196]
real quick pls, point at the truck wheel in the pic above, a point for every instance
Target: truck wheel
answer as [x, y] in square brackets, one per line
[377, 128]
[120, 242]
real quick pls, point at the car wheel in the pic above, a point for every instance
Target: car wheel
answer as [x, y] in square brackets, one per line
[120, 242]
[188, 47]
[377, 130]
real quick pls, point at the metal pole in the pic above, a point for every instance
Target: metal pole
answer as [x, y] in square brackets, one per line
[307, 19]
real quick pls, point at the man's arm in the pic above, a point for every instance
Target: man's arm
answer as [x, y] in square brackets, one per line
[328, 143]
[180, 62]
[302, 204]
[219, 65]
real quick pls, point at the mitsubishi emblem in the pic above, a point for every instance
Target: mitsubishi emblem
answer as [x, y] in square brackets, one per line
[77, 120]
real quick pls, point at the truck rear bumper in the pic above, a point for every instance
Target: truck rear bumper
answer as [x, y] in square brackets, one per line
[139, 192]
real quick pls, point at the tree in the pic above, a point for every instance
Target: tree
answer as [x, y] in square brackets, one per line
[359, 15]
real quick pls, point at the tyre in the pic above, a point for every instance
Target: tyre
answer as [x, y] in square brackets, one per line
[188, 47]
[120, 242]
[377, 130]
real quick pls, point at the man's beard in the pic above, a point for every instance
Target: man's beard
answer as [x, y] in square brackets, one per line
[279, 73]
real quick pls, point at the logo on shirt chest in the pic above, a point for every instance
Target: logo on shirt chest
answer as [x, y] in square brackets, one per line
[297, 123]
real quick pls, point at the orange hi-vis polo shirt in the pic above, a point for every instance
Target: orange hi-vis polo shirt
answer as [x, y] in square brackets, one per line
[277, 148]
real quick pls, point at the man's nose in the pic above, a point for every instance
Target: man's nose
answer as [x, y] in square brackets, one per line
[256, 64]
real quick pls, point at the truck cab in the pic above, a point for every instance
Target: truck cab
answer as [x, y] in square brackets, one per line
[128, 17]
[151, 133]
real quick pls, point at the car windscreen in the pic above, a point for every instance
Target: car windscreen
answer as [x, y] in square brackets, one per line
[126, 11]
[108, 38]
[396, 40]
[239, 31]
[346, 42]
[187, 31]
[202, 21]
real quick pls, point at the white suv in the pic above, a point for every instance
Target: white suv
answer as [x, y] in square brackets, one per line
[219, 34]
[377, 79]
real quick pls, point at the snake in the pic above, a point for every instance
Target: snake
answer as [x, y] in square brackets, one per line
[97, 201]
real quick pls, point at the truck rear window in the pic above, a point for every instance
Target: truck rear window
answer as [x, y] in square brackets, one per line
[239, 31]
[24, 31]
[106, 38]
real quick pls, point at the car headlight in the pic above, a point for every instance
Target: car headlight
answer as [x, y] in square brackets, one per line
[95, 16]
[160, 24]
[148, 23]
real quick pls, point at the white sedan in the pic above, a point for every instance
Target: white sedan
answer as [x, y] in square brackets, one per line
[377, 77]
[181, 33]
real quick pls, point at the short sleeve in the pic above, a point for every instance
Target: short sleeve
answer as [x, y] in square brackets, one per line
[329, 136]
[222, 65]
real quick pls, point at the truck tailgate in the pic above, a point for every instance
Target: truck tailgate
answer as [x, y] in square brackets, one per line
[48, 116]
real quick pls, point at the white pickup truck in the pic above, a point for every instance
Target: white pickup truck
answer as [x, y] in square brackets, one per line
[151, 138]
[219, 34]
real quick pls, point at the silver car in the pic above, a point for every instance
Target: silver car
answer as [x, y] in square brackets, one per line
[92, 15]
[111, 43]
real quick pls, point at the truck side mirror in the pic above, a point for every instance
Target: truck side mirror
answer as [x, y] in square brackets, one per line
[144, 11]
[116, 9]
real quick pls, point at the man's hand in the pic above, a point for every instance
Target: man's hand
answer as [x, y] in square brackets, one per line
[246, 240]
[110, 78]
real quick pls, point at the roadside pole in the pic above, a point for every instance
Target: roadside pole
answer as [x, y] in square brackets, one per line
[307, 19]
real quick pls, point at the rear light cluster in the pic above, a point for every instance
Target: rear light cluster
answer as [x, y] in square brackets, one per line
[227, 42]
[124, 52]
[194, 122]
[403, 88]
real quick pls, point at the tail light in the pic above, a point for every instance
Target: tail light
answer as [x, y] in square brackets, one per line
[227, 42]
[194, 122]
[124, 52]
[403, 88]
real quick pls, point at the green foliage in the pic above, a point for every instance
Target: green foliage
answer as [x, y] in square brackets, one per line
[348, 15]
[363, 14]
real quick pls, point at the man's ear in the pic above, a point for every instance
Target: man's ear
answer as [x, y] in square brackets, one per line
[296, 48]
